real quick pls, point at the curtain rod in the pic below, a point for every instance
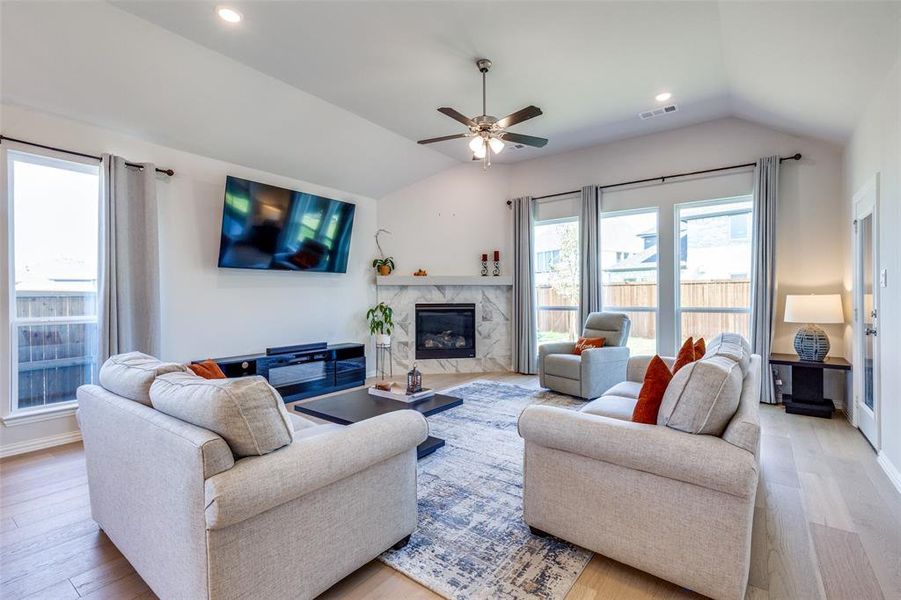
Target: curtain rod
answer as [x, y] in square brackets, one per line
[168, 172]
[662, 178]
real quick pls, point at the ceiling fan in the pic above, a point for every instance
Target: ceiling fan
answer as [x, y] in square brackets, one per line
[489, 133]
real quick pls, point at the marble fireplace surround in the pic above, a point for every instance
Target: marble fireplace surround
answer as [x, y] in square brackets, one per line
[493, 299]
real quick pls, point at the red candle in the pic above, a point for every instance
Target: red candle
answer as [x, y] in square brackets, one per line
[497, 255]
[484, 257]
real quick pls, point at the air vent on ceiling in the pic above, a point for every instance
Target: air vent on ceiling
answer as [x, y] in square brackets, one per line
[663, 110]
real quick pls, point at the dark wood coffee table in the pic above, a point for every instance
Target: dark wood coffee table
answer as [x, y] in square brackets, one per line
[358, 405]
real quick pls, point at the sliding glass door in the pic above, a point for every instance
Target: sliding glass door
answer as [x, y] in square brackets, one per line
[557, 279]
[629, 264]
[713, 284]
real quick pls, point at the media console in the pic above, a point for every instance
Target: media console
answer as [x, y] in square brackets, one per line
[304, 371]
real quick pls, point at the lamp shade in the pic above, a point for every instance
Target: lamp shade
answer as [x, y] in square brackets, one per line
[814, 308]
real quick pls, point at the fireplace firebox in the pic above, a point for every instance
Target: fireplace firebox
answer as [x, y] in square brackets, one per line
[445, 331]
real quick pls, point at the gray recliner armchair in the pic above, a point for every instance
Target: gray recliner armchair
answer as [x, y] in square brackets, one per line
[594, 371]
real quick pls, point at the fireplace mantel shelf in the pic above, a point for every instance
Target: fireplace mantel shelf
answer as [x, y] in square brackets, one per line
[472, 280]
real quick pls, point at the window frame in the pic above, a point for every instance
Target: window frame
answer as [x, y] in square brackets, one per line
[552, 308]
[10, 412]
[656, 308]
[678, 309]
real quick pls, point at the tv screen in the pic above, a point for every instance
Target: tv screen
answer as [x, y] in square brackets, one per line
[268, 227]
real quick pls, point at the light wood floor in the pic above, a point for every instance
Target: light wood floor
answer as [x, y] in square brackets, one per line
[827, 525]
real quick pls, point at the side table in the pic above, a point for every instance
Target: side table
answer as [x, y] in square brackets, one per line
[807, 384]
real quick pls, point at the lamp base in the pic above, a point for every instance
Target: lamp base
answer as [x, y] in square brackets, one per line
[811, 343]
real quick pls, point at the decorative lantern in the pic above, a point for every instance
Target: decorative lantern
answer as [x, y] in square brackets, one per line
[414, 381]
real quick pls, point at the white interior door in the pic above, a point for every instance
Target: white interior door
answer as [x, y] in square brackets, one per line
[866, 312]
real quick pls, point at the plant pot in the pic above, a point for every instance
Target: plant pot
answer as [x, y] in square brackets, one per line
[384, 270]
[383, 339]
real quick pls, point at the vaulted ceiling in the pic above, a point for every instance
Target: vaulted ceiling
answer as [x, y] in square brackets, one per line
[804, 67]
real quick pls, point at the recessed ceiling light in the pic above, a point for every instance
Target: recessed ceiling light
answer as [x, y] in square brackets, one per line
[229, 15]
[663, 97]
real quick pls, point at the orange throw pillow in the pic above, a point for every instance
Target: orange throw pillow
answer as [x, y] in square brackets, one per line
[208, 369]
[685, 356]
[700, 349]
[584, 343]
[656, 379]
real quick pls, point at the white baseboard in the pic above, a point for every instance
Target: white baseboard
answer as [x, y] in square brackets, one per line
[40, 443]
[894, 475]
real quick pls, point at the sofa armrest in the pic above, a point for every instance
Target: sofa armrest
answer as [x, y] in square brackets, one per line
[702, 460]
[551, 348]
[638, 366]
[556, 348]
[260, 483]
[602, 368]
[605, 354]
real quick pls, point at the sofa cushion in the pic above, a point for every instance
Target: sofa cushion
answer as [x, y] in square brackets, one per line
[702, 397]
[315, 430]
[626, 389]
[247, 412]
[130, 375]
[585, 343]
[208, 369]
[563, 365]
[732, 346]
[685, 356]
[615, 407]
[655, 383]
[700, 348]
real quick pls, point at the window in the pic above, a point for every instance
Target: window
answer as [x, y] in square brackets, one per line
[53, 221]
[629, 273]
[713, 279]
[557, 279]
[740, 226]
[545, 260]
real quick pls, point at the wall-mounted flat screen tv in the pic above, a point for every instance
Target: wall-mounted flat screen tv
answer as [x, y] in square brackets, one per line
[268, 227]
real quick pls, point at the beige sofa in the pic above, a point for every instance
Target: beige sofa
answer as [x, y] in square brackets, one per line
[197, 523]
[674, 504]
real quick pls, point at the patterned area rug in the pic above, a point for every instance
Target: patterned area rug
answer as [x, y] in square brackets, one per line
[471, 542]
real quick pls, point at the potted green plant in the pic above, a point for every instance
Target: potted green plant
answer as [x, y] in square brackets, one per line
[383, 265]
[380, 323]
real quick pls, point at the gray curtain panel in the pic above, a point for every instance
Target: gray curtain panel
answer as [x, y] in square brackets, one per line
[590, 252]
[525, 320]
[763, 267]
[129, 297]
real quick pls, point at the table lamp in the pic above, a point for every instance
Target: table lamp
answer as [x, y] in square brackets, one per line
[811, 342]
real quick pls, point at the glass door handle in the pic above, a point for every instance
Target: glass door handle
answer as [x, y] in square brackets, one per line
[870, 331]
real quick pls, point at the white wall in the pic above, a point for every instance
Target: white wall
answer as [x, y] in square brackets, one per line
[876, 148]
[207, 311]
[444, 223]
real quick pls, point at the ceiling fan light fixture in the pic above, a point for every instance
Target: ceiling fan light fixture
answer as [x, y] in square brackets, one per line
[229, 15]
[489, 135]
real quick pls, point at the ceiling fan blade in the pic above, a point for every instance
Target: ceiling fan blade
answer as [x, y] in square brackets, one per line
[518, 138]
[519, 116]
[443, 138]
[457, 116]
